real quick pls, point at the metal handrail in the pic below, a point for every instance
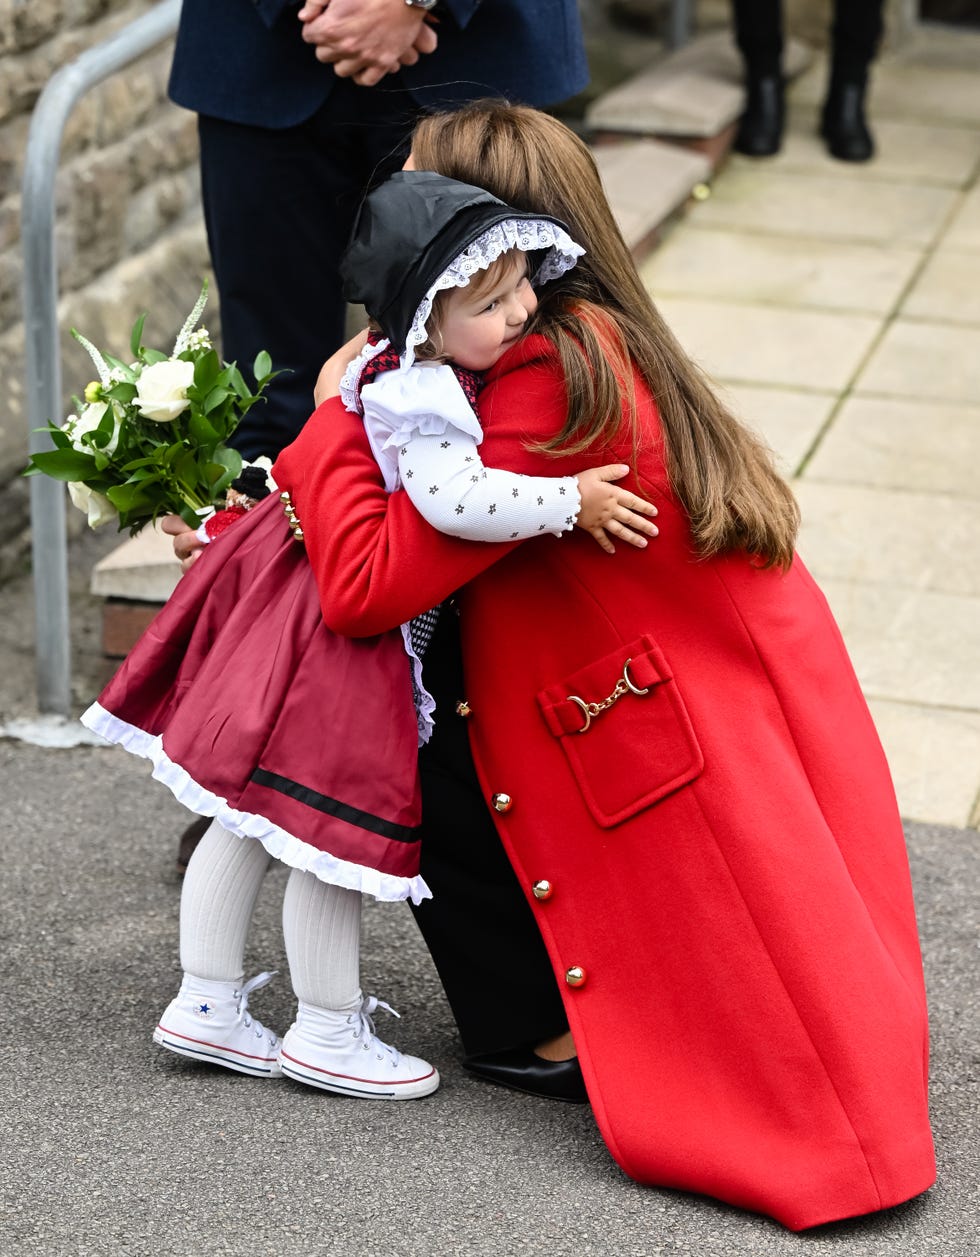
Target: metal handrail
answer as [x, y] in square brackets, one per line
[42, 353]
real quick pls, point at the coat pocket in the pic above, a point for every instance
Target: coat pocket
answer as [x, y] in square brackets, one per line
[625, 731]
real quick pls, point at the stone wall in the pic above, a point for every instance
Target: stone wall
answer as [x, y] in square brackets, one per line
[129, 232]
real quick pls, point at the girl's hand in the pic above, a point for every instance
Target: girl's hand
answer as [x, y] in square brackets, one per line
[332, 371]
[607, 511]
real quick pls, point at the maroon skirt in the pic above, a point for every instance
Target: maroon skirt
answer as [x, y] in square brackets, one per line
[254, 712]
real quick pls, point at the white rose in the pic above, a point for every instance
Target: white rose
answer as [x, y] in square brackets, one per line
[161, 390]
[90, 418]
[98, 508]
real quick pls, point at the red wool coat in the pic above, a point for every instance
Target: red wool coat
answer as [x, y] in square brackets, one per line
[728, 906]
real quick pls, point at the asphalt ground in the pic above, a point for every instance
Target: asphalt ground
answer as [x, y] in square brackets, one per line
[114, 1146]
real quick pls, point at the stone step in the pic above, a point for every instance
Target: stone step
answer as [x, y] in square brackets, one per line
[647, 182]
[693, 93]
[135, 580]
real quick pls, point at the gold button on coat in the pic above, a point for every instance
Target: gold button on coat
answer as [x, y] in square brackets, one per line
[575, 976]
[502, 802]
[542, 889]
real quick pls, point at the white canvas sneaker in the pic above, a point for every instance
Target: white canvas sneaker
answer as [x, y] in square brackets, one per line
[340, 1052]
[210, 1021]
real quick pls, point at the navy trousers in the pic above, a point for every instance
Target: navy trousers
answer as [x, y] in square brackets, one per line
[279, 206]
[855, 36]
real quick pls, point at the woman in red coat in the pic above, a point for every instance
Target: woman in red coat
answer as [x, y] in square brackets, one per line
[682, 768]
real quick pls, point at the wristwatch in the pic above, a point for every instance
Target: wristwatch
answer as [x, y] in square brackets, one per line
[422, 4]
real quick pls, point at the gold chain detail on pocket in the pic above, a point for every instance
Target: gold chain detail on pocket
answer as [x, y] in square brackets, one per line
[623, 687]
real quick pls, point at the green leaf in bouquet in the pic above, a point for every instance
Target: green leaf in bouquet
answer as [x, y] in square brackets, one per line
[221, 471]
[103, 434]
[60, 439]
[136, 338]
[186, 468]
[123, 392]
[207, 369]
[129, 498]
[199, 430]
[262, 367]
[153, 355]
[135, 464]
[63, 464]
[215, 399]
[237, 382]
[166, 455]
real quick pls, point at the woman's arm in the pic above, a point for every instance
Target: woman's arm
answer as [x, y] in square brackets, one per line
[377, 562]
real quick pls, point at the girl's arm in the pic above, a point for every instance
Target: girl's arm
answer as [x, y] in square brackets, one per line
[377, 562]
[455, 492]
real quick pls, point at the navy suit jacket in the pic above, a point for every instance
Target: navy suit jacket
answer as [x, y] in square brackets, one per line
[244, 60]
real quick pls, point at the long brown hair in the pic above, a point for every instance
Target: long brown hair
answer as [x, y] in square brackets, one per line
[599, 317]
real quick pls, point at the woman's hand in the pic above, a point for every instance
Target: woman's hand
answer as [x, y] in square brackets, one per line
[608, 512]
[187, 544]
[332, 371]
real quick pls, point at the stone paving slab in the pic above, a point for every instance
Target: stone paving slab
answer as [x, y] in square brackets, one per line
[746, 265]
[827, 206]
[934, 361]
[933, 754]
[795, 348]
[912, 646]
[897, 538]
[948, 288]
[924, 447]
[964, 230]
[790, 421]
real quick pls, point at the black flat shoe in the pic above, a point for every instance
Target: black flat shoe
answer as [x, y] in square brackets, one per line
[760, 129]
[522, 1070]
[843, 125]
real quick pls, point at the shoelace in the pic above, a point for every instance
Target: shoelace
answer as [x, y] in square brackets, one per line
[364, 1020]
[251, 985]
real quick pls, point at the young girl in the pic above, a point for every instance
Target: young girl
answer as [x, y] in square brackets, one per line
[300, 743]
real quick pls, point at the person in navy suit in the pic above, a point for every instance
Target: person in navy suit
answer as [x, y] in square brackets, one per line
[300, 110]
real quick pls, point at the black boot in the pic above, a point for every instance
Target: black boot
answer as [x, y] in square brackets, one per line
[843, 124]
[760, 129]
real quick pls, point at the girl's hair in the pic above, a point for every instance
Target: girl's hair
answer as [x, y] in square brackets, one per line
[431, 350]
[599, 316]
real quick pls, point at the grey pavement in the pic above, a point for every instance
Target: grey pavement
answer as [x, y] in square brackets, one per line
[839, 308]
[111, 1145]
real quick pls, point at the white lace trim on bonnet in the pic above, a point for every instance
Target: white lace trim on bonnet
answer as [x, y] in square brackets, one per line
[530, 235]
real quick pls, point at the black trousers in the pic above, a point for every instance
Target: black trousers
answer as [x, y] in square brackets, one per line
[855, 36]
[478, 927]
[279, 206]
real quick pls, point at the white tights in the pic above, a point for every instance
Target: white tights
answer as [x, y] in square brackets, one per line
[321, 923]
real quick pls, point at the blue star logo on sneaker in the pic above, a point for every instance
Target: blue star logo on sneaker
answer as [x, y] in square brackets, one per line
[204, 1010]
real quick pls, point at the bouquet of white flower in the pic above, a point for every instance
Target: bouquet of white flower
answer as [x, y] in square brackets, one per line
[149, 438]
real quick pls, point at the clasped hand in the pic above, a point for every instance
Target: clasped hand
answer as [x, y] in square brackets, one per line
[366, 39]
